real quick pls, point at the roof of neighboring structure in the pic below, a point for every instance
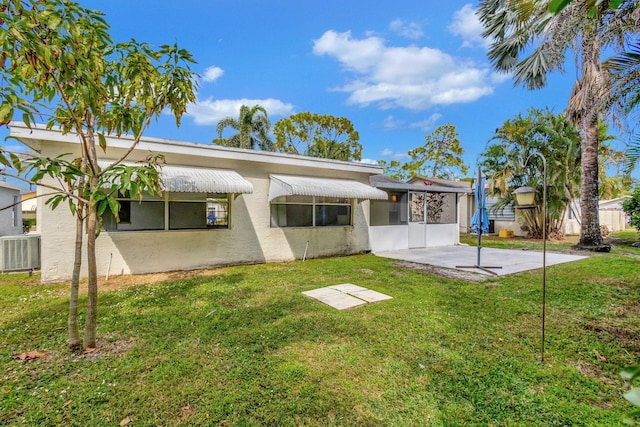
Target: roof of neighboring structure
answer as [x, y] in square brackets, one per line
[388, 183]
[613, 204]
[37, 135]
[8, 186]
[420, 180]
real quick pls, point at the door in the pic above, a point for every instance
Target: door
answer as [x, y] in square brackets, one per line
[417, 220]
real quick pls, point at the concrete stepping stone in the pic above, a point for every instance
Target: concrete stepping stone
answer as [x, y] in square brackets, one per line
[346, 296]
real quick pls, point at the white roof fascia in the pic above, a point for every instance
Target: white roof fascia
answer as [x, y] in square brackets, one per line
[35, 136]
[290, 185]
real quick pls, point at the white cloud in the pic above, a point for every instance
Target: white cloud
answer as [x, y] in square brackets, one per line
[391, 123]
[410, 30]
[386, 152]
[369, 161]
[428, 123]
[209, 111]
[467, 25]
[411, 77]
[211, 74]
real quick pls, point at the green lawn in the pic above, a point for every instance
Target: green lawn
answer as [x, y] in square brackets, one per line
[244, 347]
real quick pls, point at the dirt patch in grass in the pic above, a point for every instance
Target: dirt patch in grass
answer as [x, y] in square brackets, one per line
[107, 346]
[441, 271]
[130, 280]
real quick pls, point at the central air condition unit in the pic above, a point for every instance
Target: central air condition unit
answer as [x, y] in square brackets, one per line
[19, 253]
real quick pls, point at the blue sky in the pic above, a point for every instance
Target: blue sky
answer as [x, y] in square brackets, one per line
[397, 69]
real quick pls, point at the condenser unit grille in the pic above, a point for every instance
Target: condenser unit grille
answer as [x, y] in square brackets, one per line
[19, 253]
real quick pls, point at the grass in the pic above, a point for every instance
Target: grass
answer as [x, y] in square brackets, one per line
[244, 347]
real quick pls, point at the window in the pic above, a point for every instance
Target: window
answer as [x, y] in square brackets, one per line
[174, 211]
[15, 212]
[309, 211]
[392, 211]
[441, 208]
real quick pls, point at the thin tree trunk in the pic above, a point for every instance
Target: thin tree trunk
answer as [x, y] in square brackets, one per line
[74, 333]
[90, 326]
[92, 286]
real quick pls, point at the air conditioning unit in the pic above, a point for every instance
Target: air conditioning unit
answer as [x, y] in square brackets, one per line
[19, 253]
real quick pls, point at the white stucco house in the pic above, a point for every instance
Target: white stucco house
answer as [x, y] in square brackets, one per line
[223, 206]
[220, 206]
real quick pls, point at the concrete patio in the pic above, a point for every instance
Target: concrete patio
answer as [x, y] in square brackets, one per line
[510, 260]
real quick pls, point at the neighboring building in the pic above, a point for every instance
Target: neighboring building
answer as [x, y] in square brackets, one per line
[11, 213]
[415, 215]
[29, 208]
[610, 213]
[220, 206]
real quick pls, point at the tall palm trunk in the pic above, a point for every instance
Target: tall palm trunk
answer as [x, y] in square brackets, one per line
[590, 235]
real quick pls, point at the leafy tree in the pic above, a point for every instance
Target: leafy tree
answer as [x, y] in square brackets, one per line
[252, 126]
[318, 135]
[632, 208]
[59, 61]
[439, 157]
[440, 154]
[531, 42]
[503, 159]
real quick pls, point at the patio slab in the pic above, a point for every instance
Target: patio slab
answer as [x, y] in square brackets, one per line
[510, 260]
[346, 296]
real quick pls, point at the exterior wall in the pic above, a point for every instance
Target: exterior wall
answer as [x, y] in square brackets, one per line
[11, 218]
[442, 235]
[249, 239]
[389, 237]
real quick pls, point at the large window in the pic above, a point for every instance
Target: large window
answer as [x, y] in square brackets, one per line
[309, 211]
[174, 211]
[392, 211]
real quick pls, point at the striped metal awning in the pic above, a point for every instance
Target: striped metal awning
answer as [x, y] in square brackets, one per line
[187, 179]
[290, 185]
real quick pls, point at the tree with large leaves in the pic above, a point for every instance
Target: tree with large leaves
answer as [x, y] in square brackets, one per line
[531, 42]
[252, 126]
[59, 62]
[318, 135]
[504, 163]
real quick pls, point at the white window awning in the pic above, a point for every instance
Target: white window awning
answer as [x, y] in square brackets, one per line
[186, 179]
[290, 185]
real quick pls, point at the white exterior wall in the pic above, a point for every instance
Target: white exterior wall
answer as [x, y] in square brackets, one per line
[250, 238]
[10, 226]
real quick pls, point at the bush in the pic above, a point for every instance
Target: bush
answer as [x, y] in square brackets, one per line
[632, 208]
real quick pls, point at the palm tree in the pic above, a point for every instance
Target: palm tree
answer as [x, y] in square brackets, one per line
[253, 128]
[531, 42]
[502, 161]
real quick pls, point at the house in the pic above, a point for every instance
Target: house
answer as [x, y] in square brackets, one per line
[610, 213]
[415, 215]
[10, 213]
[219, 206]
[29, 207]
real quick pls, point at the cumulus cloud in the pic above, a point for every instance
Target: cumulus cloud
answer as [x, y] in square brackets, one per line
[410, 30]
[467, 25]
[211, 74]
[209, 111]
[411, 77]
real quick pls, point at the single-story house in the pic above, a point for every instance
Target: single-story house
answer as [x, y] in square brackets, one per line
[415, 215]
[29, 208]
[219, 206]
[610, 213]
[11, 214]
